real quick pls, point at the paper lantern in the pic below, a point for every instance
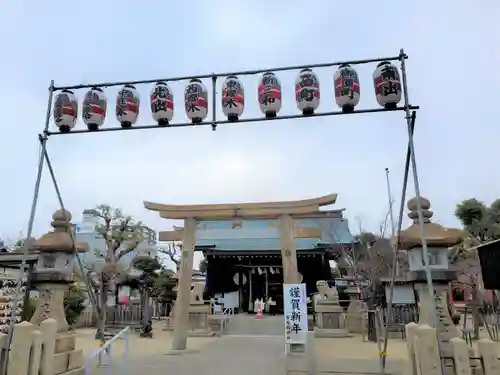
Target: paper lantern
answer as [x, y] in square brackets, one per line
[233, 98]
[162, 103]
[94, 108]
[307, 91]
[269, 94]
[196, 101]
[65, 110]
[347, 91]
[127, 106]
[387, 85]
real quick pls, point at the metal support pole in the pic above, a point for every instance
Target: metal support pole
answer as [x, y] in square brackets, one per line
[389, 197]
[31, 220]
[92, 297]
[391, 211]
[425, 250]
[397, 244]
[214, 103]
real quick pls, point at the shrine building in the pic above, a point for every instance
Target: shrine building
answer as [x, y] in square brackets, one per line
[244, 254]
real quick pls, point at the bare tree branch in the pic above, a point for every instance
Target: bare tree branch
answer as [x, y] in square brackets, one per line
[173, 251]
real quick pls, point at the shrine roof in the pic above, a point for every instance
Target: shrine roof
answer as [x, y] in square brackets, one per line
[14, 259]
[263, 235]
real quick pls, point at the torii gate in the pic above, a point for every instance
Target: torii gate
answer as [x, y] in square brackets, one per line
[283, 211]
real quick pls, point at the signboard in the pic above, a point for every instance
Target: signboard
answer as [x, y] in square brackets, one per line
[295, 307]
[402, 294]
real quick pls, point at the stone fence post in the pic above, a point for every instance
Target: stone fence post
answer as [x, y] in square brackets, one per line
[489, 352]
[427, 351]
[424, 357]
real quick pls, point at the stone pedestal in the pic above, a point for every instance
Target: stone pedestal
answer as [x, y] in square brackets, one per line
[198, 321]
[330, 320]
[67, 359]
[356, 321]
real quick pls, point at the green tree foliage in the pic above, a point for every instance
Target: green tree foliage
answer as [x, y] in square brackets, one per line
[155, 281]
[482, 222]
[74, 304]
[164, 286]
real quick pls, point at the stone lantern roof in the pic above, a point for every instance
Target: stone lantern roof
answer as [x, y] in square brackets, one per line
[435, 234]
[59, 240]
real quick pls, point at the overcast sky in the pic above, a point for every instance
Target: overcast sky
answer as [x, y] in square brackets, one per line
[453, 74]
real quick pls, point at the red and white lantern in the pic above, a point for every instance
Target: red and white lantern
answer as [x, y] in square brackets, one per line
[127, 106]
[196, 101]
[307, 91]
[162, 103]
[387, 85]
[233, 98]
[269, 92]
[65, 110]
[94, 108]
[347, 89]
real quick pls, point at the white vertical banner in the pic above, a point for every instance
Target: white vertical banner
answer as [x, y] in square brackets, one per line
[295, 308]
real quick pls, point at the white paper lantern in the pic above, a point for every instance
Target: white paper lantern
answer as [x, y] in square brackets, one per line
[162, 103]
[65, 110]
[307, 91]
[387, 85]
[269, 92]
[94, 108]
[127, 106]
[233, 98]
[196, 101]
[347, 90]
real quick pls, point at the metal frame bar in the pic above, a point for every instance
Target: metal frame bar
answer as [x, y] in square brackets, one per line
[241, 73]
[216, 122]
[410, 119]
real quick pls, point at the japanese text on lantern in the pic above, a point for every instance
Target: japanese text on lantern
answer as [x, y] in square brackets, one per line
[388, 81]
[295, 306]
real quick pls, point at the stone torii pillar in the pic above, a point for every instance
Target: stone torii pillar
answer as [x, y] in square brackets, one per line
[288, 250]
[283, 211]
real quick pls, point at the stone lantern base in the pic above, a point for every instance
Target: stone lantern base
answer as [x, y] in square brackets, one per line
[198, 321]
[50, 304]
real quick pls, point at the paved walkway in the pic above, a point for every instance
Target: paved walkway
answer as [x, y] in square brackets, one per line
[227, 355]
[249, 347]
[243, 324]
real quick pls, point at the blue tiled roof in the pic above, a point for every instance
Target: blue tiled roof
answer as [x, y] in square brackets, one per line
[258, 235]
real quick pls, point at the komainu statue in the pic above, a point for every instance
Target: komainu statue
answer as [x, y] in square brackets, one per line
[197, 293]
[326, 293]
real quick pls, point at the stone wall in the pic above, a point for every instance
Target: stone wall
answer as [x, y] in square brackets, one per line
[40, 350]
[424, 356]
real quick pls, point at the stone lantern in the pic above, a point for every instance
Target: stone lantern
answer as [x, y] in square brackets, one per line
[439, 239]
[54, 271]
